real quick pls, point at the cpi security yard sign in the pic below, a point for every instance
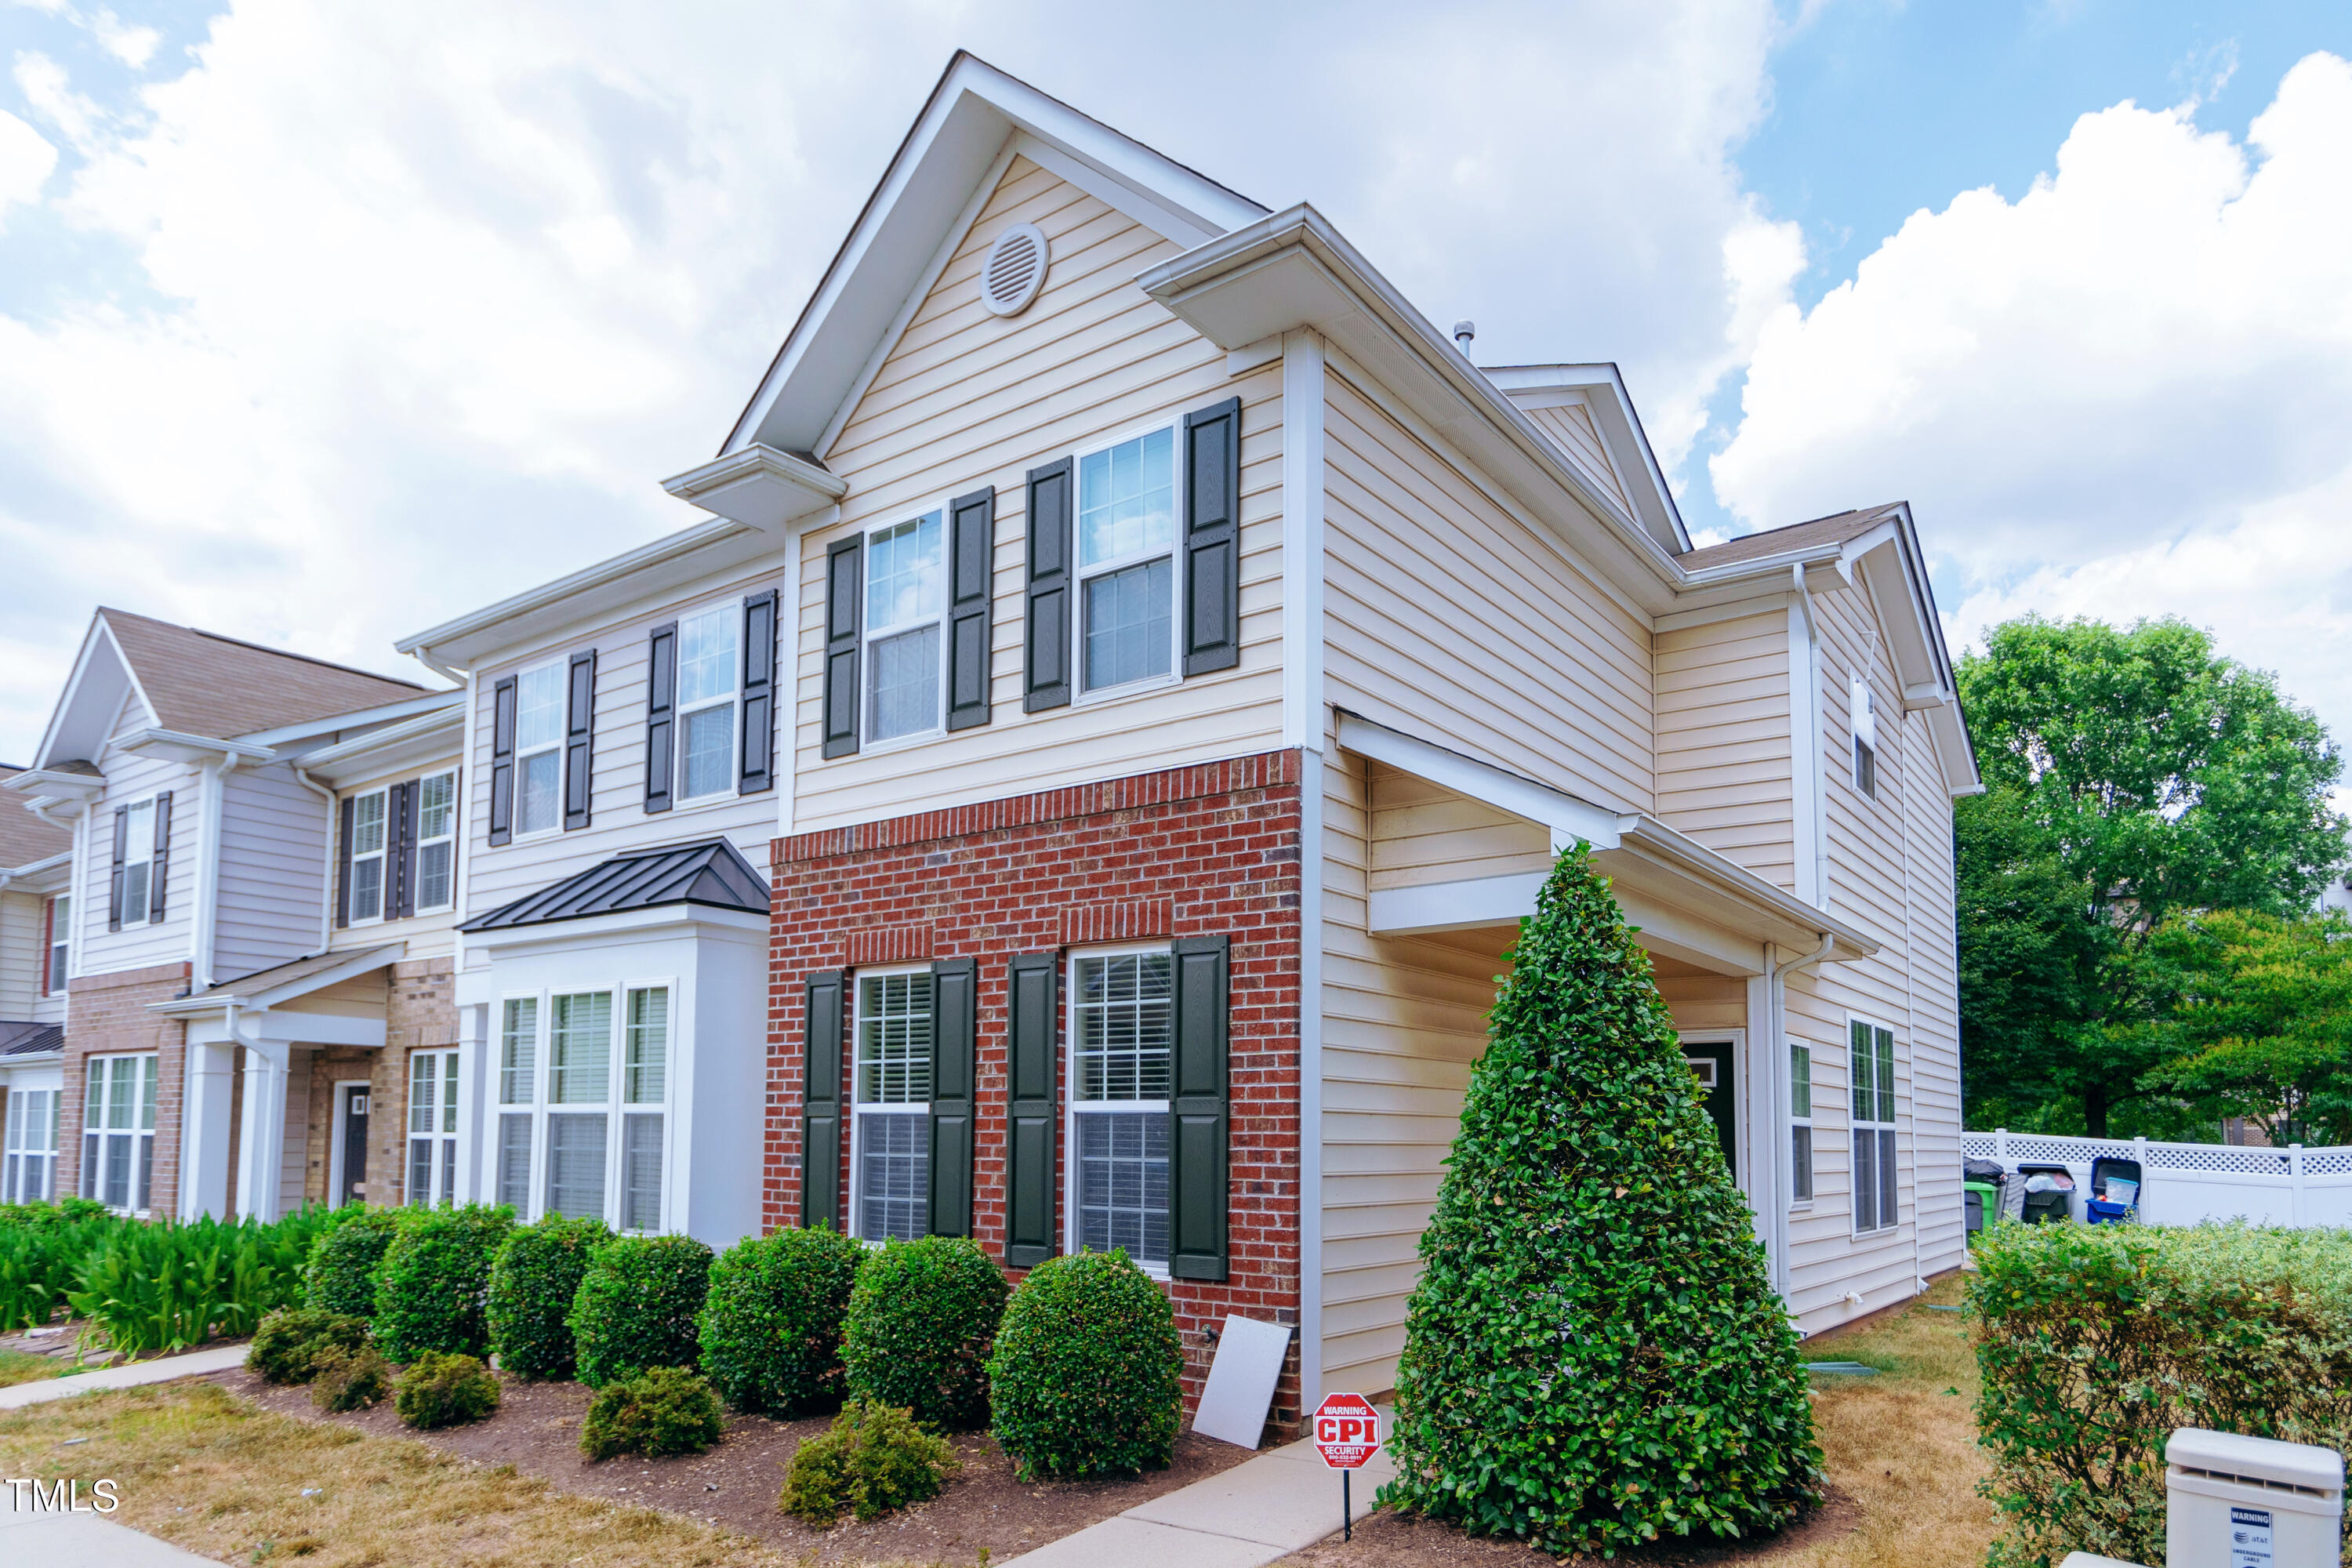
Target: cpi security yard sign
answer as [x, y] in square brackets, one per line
[1347, 1432]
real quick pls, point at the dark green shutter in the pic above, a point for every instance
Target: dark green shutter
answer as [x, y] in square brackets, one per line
[400, 818]
[756, 769]
[502, 760]
[1033, 1114]
[955, 1025]
[1196, 1143]
[972, 551]
[1212, 538]
[1046, 641]
[661, 714]
[114, 882]
[821, 1101]
[843, 580]
[579, 728]
[159, 876]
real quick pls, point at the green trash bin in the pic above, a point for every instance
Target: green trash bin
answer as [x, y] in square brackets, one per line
[1980, 1200]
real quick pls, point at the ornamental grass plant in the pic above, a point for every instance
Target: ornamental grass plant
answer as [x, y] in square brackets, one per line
[637, 1306]
[921, 1319]
[532, 1281]
[1087, 1376]
[771, 1328]
[1595, 1355]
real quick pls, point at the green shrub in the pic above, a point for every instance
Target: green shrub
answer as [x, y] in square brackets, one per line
[663, 1410]
[873, 1458]
[637, 1306]
[2096, 1342]
[532, 1281]
[287, 1346]
[437, 1390]
[435, 1280]
[1594, 1356]
[771, 1328]
[350, 1380]
[46, 1216]
[921, 1319]
[1087, 1376]
[340, 1274]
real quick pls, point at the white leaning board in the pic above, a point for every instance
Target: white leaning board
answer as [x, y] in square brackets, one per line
[1240, 1382]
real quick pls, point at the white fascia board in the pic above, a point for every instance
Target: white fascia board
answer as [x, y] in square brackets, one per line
[673, 560]
[759, 486]
[49, 785]
[430, 703]
[429, 738]
[360, 961]
[272, 1028]
[1568, 818]
[1471, 903]
[961, 132]
[1694, 861]
[96, 642]
[33, 869]
[1603, 391]
[177, 746]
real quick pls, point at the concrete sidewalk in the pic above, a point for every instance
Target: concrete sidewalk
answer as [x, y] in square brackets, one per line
[195, 1364]
[1259, 1511]
[81, 1541]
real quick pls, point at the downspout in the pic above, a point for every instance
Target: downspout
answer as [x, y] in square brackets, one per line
[327, 876]
[203, 923]
[1776, 996]
[1821, 772]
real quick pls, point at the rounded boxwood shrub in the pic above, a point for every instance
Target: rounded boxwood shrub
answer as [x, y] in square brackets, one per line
[350, 1380]
[439, 1390]
[772, 1325]
[432, 1288]
[920, 1323]
[637, 1306]
[1086, 1377]
[532, 1281]
[663, 1410]
[873, 1458]
[341, 1274]
[1594, 1356]
[289, 1342]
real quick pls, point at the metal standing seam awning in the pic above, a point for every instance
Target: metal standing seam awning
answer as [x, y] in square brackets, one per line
[710, 872]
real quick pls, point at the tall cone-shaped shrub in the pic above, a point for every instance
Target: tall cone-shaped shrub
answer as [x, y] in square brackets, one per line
[1595, 1355]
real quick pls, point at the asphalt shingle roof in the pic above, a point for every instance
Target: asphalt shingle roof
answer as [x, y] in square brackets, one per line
[201, 683]
[1834, 530]
[24, 838]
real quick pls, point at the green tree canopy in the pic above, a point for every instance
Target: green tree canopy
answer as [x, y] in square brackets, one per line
[2260, 1019]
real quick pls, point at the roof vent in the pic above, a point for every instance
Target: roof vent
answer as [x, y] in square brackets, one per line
[1463, 332]
[1014, 271]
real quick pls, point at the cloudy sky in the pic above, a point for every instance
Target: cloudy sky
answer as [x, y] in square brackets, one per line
[319, 325]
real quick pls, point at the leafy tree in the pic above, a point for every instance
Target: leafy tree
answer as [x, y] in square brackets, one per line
[2141, 774]
[1594, 1356]
[2262, 1018]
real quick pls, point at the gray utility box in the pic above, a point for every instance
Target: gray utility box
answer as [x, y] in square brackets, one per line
[2250, 1502]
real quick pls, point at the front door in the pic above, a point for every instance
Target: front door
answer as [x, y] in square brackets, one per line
[1710, 1062]
[351, 1181]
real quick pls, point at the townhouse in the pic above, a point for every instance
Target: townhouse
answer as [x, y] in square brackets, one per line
[36, 915]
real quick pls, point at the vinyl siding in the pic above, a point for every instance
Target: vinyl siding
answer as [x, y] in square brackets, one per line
[1423, 832]
[426, 934]
[297, 1140]
[1724, 770]
[272, 868]
[21, 955]
[1570, 424]
[130, 779]
[966, 399]
[1448, 618]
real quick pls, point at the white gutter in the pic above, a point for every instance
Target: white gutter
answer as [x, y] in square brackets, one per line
[1783, 1112]
[1815, 730]
[327, 883]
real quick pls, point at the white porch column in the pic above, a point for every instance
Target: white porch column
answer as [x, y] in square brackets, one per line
[204, 1128]
[474, 1090]
[261, 1139]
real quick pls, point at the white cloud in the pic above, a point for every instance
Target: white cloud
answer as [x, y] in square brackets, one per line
[2124, 394]
[134, 46]
[49, 93]
[25, 159]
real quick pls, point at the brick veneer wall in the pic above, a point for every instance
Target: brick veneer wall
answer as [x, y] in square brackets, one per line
[109, 1016]
[1198, 851]
[420, 1014]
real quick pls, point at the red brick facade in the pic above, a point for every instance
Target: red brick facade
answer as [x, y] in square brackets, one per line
[1199, 851]
[109, 1016]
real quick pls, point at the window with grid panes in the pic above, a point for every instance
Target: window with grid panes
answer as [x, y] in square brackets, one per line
[579, 1095]
[436, 842]
[540, 697]
[707, 670]
[644, 1073]
[890, 1161]
[905, 595]
[1122, 1032]
[28, 1148]
[432, 1128]
[1127, 537]
[1871, 1052]
[518, 1094]
[118, 1140]
[1801, 1122]
[369, 847]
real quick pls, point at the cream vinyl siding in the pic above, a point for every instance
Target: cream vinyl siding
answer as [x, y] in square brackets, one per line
[273, 887]
[1423, 833]
[130, 779]
[1700, 1000]
[1724, 771]
[1570, 424]
[361, 997]
[493, 874]
[427, 936]
[966, 399]
[1448, 619]
[22, 954]
[296, 1147]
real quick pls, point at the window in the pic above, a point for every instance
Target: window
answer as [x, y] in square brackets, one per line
[644, 1073]
[1122, 1032]
[1801, 1128]
[890, 1165]
[370, 840]
[579, 1086]
[593, 1073]
[138, 861]
[60, 943]
[518, 1093]
[432, 1128]
[1865, 713]
[1126, 539]
[906, 592]
[436, 842]
[29, 1147]
[706, 669]
[539, 749]
[1871, 1069]
[118, 1140]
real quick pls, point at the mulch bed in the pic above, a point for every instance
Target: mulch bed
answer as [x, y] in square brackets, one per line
[1386, 1540]
[537, 1430]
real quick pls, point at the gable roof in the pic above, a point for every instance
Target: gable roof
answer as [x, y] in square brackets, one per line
[711, 872]
[1835, 528]
[26, 840]
[287, 982]
[202, 683]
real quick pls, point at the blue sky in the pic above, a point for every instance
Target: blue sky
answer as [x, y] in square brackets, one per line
[320, 324]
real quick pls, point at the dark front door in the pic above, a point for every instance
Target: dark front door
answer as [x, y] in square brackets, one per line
[1710, 1063]
[350, 1182]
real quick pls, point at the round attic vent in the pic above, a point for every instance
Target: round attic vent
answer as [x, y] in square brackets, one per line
[1014, 271]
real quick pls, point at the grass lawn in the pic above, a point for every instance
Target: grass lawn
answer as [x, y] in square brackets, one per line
[16, 1366]
[209, 1472]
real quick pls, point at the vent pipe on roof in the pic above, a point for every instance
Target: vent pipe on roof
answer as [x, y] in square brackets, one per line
[1463, 332]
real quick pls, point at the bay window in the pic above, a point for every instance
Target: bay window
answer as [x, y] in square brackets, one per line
[1122, 1035]
[1871, 1069]
[118, 1140]
[432, 1128]
[579, 1082]
[1127, 573]
[518, 1093]
[891, 1130]
[589, 1099]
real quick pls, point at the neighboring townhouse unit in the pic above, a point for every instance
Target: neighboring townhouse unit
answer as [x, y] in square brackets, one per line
[1079, 788]
[234, 960]
[35, 914]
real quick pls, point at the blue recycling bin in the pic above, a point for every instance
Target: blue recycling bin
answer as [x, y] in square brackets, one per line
[2101, 1212]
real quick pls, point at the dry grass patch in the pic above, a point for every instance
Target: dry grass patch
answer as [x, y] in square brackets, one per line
[205, 1471]
[16, 1367]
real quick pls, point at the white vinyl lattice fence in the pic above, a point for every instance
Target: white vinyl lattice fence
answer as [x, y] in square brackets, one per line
[2184, 1183]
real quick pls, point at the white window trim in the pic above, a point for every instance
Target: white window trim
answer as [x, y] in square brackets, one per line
[867, 636]
[534, 1105]
[138, 850]
[448, 836]
[1072, 1106]
[381, 855]
[859, 1109]
[1885, 1227]
[60, 929]
[1081, 576]
[733, 610]
[563, 672]
[1812, 1088]
[440, 1188]
[1862, 720]
[615, 1106]
[13, 1126]
[96, 1180]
